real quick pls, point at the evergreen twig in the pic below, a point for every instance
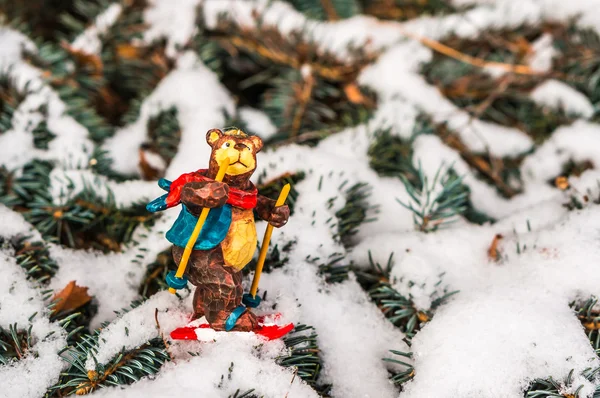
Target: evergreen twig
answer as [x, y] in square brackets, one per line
[433, 209]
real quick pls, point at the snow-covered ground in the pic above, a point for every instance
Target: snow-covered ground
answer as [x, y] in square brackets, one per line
[509, 323]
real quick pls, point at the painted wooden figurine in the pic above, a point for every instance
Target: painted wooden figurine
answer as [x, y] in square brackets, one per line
[227, 240]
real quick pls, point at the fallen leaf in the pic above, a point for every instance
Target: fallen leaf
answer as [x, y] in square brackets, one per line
[493, 252]
[561, 183]
[353, 93]
[93, 61]
[70, 298]
[127, 51]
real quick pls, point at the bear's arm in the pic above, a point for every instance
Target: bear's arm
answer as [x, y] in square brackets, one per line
[266, 210]
[264, 206]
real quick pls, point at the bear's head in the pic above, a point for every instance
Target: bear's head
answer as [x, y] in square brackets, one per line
[241, 150]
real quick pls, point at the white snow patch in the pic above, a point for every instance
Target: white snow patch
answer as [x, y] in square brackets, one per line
[89, 40]
[578, 142]
[31, 375]
[543, 52]
[133, 328]
[172, 19]
[558, 95]
[200, 100]
[258, 122]
[252, 367]
[14, 223]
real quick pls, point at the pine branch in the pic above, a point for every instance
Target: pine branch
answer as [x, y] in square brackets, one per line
[331, 10]
[403, 10]
[34, 258]
[400, 310]
[42, 136]
[391, 156]
[84, 221]
[399, 378]
[301, 87]
[542, 388]
[103, 91]
[334, 268]
[245, 394]
[19, 192]
[271, 188]
[78, 79]
[589, 316]
[52, 20]
[304, 353]
[15, 343]
[291, 50]
[10, 99]
[164, 134]
[505, 99]
[432, 208]
[125, 368]
[354, 213]
[496, 170]
[156, 272]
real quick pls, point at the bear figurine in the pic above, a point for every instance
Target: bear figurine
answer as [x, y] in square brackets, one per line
[228, 240]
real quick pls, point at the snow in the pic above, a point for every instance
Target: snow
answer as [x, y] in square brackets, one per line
[133, 328]
[542, 53]
[514, 345]
[14, 224]
[89, 41]
[578, 142]
[519, 341]
[196, 115]
[191, 376]
[22, 305]
[417, 277]
[510, 321]
[258, 121]
[557, 95]
[161, 16]
[71, 147]
[395, 74]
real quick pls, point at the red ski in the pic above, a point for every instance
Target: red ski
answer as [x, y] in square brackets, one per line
[201, 330]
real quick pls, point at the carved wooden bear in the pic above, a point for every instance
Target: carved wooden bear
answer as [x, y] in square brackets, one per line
[228, 239]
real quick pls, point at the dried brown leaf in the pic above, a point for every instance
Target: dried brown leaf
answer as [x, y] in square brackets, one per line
[71, 298]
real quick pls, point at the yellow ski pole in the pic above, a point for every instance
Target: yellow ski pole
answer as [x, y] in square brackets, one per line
[265, 244]
[179, 281]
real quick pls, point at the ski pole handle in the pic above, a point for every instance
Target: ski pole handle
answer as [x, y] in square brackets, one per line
[265, 245]
[177, 279]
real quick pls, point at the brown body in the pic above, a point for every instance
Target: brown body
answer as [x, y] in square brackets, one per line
[216, 273]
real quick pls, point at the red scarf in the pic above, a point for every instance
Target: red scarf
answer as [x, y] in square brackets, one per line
[237, 197]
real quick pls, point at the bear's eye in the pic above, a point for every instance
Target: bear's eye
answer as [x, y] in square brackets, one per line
[226, 145]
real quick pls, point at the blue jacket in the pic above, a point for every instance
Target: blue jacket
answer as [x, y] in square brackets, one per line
[213, 231]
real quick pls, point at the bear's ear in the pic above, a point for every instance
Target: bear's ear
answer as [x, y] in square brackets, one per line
[213, 136]
[256, 142]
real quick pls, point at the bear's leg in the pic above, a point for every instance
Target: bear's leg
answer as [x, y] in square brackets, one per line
[198, 261]
[229, 286]
[222, 295]
[218, 288]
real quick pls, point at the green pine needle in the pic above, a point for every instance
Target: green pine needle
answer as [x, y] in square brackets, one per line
[432, 209]
[304, 354]
[15, 343]
[354, 213]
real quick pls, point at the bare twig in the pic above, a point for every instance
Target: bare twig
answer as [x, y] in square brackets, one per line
[161, 334]
[468, 59]
[303, 95]
[330, 10]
